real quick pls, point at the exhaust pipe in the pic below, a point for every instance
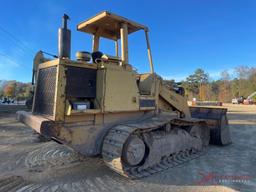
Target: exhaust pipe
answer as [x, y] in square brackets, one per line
[64, 39]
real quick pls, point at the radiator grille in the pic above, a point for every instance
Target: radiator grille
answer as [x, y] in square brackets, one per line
[45, 91]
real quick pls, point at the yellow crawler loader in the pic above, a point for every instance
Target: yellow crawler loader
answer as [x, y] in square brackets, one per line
[100, 106]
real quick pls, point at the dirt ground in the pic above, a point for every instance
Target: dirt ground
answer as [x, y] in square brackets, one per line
[30, 164]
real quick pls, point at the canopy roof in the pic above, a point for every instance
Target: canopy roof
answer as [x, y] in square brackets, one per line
[108, 25]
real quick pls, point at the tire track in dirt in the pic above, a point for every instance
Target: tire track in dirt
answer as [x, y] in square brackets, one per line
[51, 154]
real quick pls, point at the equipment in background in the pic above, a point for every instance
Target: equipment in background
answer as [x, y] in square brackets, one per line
[242, 100]
[239, 100]
[249, 100]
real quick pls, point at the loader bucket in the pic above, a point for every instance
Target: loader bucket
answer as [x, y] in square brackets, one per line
[216, 119]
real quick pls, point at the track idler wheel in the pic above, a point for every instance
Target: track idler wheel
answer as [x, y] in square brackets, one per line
[133, 151]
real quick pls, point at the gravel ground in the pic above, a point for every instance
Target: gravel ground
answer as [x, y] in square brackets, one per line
[29, 164]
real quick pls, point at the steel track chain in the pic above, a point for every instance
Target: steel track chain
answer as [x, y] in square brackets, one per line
[116, 138]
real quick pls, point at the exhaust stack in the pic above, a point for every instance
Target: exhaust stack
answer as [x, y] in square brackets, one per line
[64, 39]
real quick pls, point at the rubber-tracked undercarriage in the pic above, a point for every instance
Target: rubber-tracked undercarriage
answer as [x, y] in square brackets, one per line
[99, 105]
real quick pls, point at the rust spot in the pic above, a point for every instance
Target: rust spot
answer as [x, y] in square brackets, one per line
[50, 129]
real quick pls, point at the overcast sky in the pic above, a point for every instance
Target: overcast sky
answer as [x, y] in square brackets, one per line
[214, 35]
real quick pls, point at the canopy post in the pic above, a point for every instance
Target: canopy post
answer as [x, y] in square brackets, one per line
[149, 53]
[96, 40]
[95, 43]
[117, 48]
[124, 43]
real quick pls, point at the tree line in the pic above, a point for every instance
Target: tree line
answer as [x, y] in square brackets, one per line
[241, 82]
[15, 90]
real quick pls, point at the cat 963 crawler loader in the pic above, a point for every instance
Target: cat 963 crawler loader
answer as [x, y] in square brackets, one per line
[100, 106]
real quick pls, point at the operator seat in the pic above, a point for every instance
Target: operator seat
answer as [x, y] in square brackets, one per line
[96, 56]
[99, 56]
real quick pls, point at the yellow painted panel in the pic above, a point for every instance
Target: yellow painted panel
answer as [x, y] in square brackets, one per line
[121, 91]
